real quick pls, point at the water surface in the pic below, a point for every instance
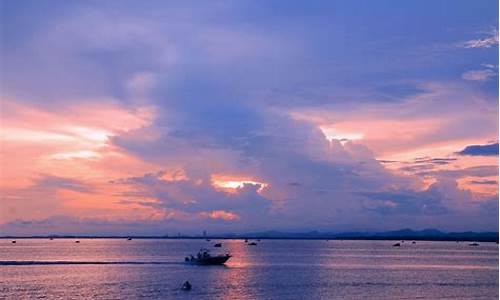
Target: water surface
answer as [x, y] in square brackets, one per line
[274, 269]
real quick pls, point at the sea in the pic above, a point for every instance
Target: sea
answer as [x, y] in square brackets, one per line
[272, 269]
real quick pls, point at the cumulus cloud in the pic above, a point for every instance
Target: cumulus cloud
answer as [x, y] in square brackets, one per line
[296, 123]
[428, 202]
[197, 197]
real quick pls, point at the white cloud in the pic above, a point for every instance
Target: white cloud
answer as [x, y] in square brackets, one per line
[478, 75]
[484, 42]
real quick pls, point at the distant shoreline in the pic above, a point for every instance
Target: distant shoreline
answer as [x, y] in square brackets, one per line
[367, 238]
[403, 234]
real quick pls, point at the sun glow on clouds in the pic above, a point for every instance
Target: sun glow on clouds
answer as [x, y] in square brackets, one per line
[231, 184]
[74, 133]
[221, 214]
[83, 154]
[343, 136]
[481, 187]
[64, 141]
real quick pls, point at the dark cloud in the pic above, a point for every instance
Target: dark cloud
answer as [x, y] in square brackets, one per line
[384, 161]
[436, 161]
[55, 182]
[398, 92]
[480, 150]
[476, 171]
[484, 182]
[422, 165]
[407, 202]
[417, 168]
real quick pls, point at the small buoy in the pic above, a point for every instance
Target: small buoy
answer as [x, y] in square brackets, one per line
[13, 242]
[413, 242]
[186, 286]
[77, 242]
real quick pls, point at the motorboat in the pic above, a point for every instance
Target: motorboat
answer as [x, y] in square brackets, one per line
[473, 244]
[218, 245]
[397, 245]
[205, 258]
[252, 244]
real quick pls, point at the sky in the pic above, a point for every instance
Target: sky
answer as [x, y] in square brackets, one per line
[159, 117]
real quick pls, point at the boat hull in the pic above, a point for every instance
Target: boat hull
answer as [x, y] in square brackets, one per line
[213, 260]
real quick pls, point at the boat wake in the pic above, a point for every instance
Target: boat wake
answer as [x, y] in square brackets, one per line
[69, 262]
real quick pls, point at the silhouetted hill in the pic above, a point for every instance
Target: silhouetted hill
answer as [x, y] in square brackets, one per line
[403, 234]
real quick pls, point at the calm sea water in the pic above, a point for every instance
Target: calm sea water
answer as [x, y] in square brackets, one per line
[274, 269]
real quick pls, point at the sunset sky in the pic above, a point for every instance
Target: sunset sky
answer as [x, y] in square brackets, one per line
[158, 117]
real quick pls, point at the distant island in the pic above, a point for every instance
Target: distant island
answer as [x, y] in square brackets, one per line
[403, 234]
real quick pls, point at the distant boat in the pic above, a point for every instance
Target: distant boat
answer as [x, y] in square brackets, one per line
[51, 239]
[258, 240]
[218, 245]
[252, 244]
[208, 240]
[397, 245]
[13, 242]
[246, 241]
[473, 244]
[77, 242]
[413, 242]
[129, 239]
[205, 258]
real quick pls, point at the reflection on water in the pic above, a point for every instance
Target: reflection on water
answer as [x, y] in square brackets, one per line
[274, 269]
